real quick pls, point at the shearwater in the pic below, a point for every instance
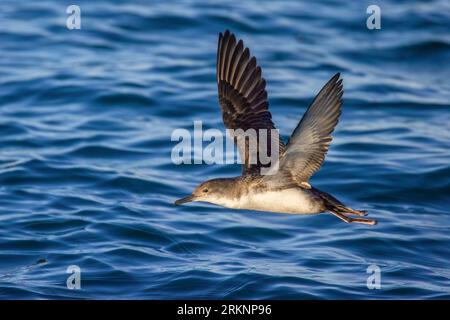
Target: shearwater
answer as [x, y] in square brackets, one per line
[244, 103]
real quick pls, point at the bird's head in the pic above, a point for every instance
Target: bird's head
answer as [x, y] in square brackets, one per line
[212, 191]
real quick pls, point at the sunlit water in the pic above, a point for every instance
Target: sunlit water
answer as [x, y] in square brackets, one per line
[86, 176]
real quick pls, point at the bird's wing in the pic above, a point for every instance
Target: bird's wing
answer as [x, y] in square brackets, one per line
[243, 99]
[308, 144]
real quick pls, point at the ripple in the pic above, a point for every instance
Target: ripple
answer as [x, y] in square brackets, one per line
[124, 100]
[85, 171]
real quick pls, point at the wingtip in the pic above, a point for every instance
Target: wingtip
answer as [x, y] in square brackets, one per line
[340, 84]
[225, 35]
[336, 80]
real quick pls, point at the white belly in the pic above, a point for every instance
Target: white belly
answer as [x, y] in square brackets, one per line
[294, 200]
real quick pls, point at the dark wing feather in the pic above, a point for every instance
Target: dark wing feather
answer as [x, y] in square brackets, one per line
[243, 99]
[308, 144]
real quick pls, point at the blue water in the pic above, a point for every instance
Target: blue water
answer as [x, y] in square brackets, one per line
[86, 176]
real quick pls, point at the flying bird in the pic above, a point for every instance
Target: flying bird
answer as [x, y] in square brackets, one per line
[244, 103]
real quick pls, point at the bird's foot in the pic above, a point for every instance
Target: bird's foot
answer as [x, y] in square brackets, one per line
[361, 213]
[348, 219]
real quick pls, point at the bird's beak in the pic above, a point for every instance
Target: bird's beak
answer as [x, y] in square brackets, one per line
[184, 200]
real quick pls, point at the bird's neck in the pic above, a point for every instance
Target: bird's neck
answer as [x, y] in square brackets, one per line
[233, 193]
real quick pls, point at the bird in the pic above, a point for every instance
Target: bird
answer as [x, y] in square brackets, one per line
[286, 189]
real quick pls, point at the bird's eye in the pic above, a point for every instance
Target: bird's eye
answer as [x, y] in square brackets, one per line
[205, 190]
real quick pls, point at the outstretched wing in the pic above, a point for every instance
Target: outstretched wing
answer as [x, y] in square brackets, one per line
[243, 100]
[308, 144]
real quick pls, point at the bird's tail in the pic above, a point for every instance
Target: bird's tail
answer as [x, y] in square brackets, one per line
[340, 210]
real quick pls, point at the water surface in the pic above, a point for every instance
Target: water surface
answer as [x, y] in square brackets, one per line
[86, 176]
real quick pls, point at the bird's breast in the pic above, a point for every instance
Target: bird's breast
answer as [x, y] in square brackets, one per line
[294, 200]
